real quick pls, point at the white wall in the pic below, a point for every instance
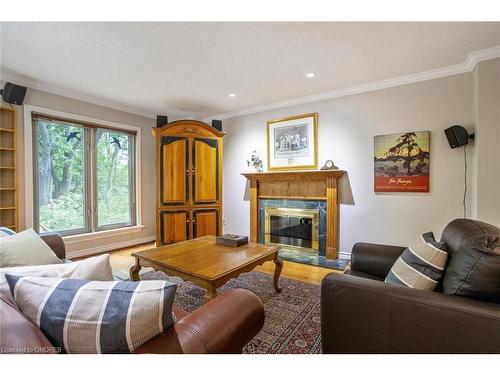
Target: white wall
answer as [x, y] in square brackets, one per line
[346, 129]
[63, 104]
[487, 156]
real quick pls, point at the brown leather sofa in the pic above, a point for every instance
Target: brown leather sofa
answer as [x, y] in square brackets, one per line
[362, 314]
[223, 325]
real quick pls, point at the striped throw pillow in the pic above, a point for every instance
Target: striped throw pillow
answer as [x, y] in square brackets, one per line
[421, 265]
[82, 316]
[4, 232]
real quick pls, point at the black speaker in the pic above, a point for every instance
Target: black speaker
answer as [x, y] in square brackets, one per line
[217, 124]
[457, 136]
[161, 121]
[13, 94]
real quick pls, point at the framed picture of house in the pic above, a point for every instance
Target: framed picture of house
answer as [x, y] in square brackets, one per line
[401, 162]
[292, 143]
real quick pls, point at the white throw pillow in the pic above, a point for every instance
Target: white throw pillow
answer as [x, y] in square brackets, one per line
[96, 269]
[25, 249]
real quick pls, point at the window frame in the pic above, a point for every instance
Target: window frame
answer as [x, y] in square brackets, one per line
[132, 182]
[87, 228]
[91, 230]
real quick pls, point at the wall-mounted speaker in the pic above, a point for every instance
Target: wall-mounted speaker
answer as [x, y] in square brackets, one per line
[217, 124]
[161, 121]
[457, 136]
[13, 94]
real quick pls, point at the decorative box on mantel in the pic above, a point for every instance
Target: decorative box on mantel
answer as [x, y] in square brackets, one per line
[309, 200]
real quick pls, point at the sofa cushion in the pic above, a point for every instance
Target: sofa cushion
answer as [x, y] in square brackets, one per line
[421, 265]
[82, 316]
[473, 269]
[25, 249]
[363, 275]
[95, 268]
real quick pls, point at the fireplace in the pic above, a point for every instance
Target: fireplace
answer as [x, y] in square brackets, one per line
[296, 228]
[316, 190]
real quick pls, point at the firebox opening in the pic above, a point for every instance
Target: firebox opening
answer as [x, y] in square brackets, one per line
[297, 229]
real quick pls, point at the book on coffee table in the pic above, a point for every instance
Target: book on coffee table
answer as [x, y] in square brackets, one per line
[231, 240]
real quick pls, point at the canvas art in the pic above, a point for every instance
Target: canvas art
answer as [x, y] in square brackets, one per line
[292, 142]
[402, 162]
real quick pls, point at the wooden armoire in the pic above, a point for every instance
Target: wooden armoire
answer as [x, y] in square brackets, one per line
[188, 181]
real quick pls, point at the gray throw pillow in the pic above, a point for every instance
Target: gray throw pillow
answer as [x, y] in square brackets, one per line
[421, 265]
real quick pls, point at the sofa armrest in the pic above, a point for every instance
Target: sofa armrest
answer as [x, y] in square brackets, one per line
[366, 316]
[374, 259]
[223, 325]
[56, 243]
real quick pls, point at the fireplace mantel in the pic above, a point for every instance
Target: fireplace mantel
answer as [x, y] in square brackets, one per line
[304, 185]
[300, 175]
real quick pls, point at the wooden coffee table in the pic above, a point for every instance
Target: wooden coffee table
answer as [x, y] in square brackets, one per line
[205, 263]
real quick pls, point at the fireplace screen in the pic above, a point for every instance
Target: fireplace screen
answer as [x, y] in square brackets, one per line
[292, 227]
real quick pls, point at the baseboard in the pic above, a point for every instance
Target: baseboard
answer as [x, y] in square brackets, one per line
[109, 247]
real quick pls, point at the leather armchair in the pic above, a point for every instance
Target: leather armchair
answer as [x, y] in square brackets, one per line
[360, 313]
[223, 325]
[56, 243]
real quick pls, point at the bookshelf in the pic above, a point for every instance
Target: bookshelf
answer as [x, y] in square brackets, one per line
[8, 168]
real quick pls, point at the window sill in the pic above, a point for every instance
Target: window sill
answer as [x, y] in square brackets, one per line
[102, 234]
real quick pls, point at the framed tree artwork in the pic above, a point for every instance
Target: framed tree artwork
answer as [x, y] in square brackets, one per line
[401, 162]
[292, 143]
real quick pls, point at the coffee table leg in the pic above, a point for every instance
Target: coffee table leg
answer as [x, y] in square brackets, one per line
[277, 272]
[134, 271]
[210, 293]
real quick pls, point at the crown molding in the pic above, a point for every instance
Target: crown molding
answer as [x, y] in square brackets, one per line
[8, 76]
[467, 66]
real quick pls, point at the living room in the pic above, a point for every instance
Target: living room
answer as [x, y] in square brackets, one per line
[251, 187]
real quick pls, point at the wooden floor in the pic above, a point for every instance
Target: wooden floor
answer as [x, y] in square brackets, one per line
[121, 261]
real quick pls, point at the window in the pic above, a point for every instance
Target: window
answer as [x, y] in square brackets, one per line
[84, 176]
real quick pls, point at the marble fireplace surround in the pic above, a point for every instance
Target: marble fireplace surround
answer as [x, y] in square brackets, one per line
[306, 189]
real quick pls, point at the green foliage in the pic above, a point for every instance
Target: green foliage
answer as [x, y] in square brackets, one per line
[64, 213]
[113, 178]
[60, 148]
[65, 209]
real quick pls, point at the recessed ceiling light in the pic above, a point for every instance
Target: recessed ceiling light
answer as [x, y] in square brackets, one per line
[232, 95]
[310, 75]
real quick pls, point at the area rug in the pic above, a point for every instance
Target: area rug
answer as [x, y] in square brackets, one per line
[292, 323]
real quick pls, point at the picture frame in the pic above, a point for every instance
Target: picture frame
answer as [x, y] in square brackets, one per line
[402, 162]
[292, 143]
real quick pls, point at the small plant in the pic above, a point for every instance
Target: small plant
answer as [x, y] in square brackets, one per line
[255, 161]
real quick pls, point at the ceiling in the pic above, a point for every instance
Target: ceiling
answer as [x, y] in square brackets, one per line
[190, 68]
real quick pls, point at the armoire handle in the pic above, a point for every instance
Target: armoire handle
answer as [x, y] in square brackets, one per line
[193, 171]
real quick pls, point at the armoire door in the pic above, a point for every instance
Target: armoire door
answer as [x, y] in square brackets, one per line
[205, 183]
[174, 170]
[205, 222]
[174, 226]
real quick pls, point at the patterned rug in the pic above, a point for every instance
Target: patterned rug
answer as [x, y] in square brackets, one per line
[292, 323]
